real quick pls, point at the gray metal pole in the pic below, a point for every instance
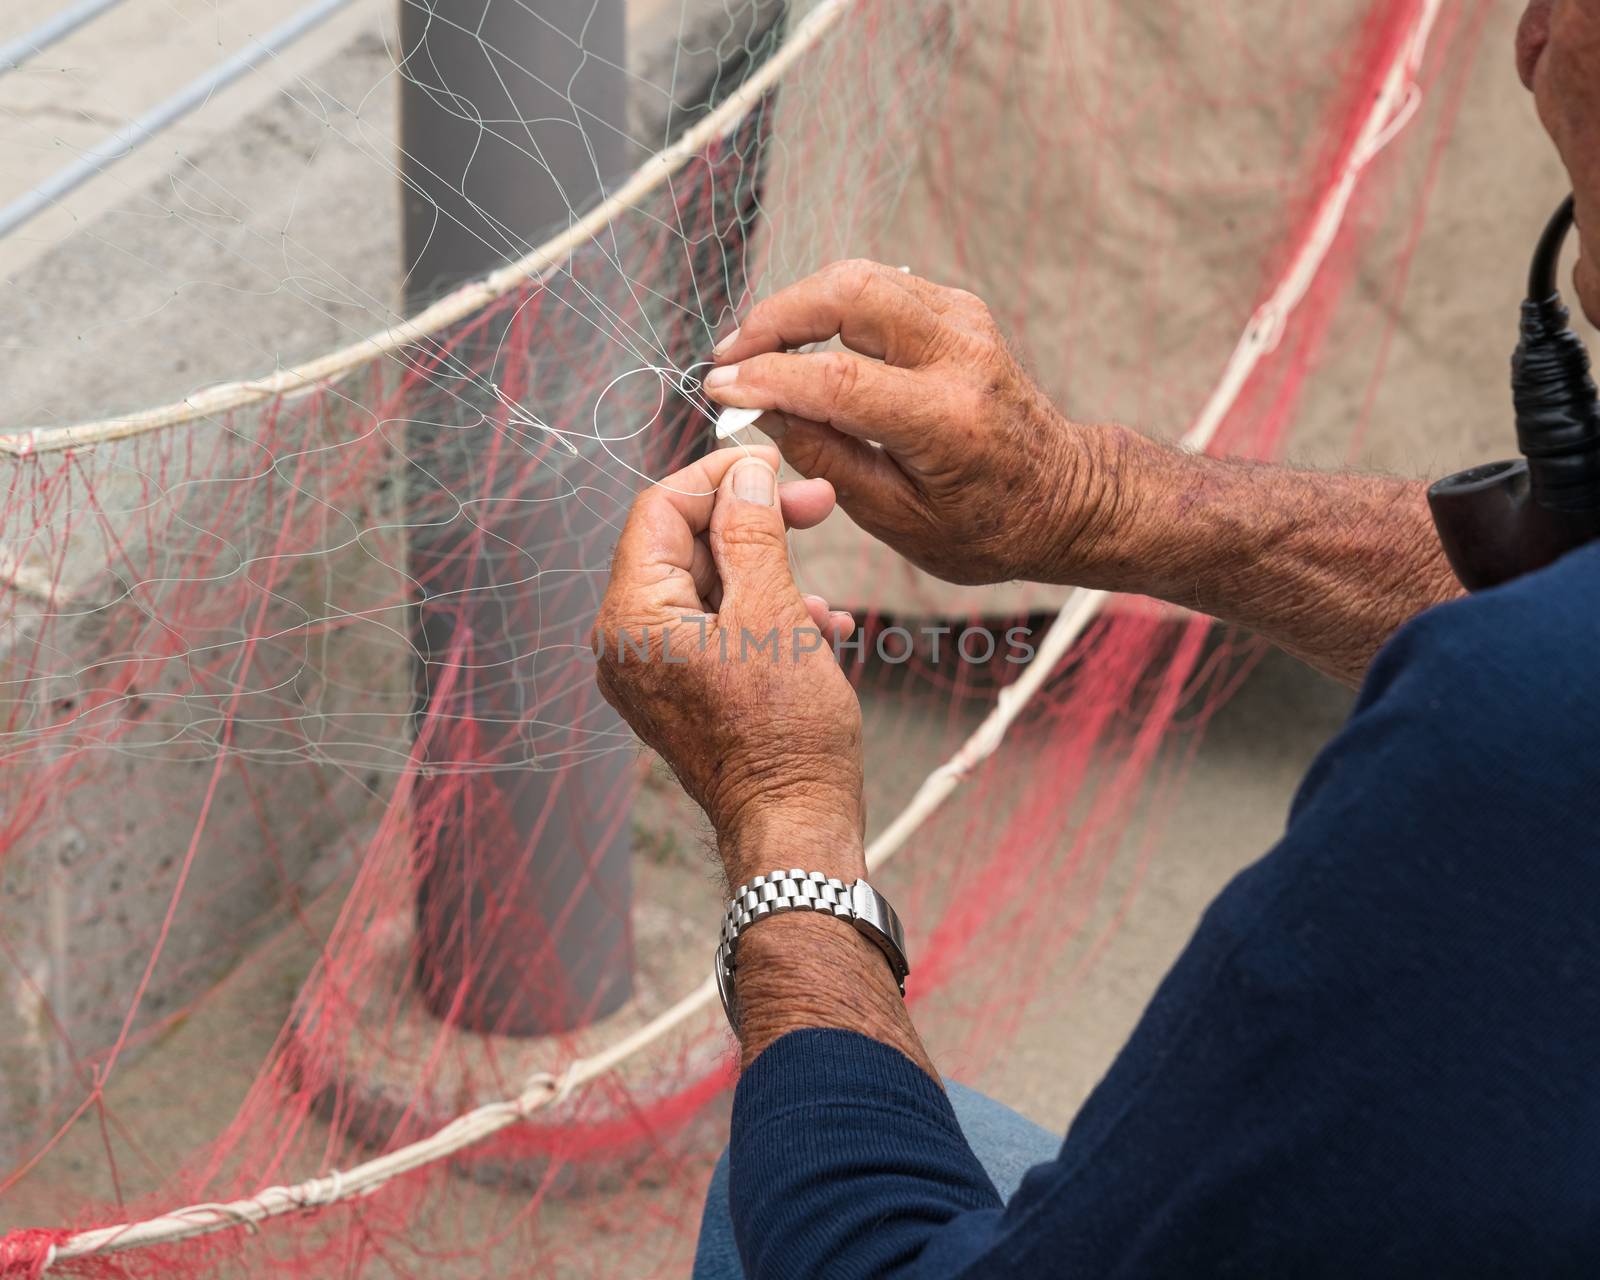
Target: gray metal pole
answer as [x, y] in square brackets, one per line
[513, 116]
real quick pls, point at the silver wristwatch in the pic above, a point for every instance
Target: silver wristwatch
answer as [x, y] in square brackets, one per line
[773, 894]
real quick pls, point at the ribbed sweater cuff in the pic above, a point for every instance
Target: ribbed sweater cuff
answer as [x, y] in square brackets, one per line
[823, 1068]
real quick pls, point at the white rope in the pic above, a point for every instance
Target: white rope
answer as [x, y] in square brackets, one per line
[542, 1091]
[462, 302]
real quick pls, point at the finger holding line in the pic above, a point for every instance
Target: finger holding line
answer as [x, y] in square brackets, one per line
[804, 503]
[874, 310]
[853, 395]
[658, 545]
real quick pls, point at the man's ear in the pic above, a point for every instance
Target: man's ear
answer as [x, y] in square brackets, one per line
[1533, 36]
[1586, 281]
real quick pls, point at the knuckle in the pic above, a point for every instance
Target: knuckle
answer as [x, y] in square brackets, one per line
[969, 302]
[840, 376]
[855, 268]
[764, 372]
[965, 307]
[756, 318]
[944, 338]
[854, 278]
[836, 272]
[741, 535]
[992, 367]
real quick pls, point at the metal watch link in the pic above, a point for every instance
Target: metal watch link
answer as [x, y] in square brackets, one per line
[795, 890]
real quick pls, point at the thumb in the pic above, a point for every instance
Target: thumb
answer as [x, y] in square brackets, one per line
[750, 546]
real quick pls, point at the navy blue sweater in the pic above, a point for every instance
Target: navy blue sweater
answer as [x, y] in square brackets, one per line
[1378, 1056]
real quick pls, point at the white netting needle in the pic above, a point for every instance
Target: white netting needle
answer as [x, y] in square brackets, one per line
[732, 421]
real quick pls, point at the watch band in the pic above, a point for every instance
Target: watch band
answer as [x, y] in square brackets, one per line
[795, 890]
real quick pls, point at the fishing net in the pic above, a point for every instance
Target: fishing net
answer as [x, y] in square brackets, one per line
[345, 930]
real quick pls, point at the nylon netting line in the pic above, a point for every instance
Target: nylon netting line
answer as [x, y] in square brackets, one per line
[271, 657]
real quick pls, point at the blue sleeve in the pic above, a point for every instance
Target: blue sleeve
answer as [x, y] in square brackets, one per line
[846, 1160]
[1374, 1058]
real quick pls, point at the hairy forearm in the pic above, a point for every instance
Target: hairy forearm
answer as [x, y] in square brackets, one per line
[1325, 565]
[801, 969]
[804, 970]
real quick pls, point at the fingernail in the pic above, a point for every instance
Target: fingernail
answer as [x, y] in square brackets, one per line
[726, 376]
[754, 481]
[726, 342]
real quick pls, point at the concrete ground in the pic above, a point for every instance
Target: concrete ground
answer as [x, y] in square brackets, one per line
[1442, 404]
[69, 96]
[177, 268]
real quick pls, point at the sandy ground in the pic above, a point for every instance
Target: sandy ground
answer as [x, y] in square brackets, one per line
[1441, 403]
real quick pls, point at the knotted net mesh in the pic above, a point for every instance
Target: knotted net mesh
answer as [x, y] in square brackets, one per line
[346, 931]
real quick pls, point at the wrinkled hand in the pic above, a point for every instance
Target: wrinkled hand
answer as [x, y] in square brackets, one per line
[979, 478]
[716, 660]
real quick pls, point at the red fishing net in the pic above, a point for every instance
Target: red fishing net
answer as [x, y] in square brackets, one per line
[345, 930]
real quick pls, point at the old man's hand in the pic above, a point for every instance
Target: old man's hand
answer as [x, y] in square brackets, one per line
[713, 656]
[934, 437]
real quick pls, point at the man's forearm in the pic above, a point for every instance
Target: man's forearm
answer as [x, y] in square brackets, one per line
[1326, 566]
[801, 970]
